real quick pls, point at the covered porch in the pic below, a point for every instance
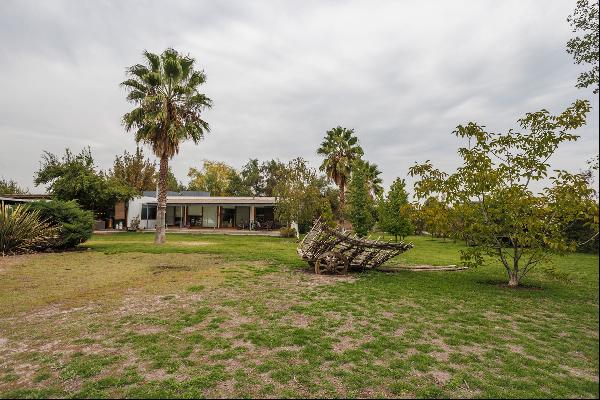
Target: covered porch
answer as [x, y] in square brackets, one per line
[242, 217]
[222, 213]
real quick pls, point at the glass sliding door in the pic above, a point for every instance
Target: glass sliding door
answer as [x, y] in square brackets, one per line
[228, 217]
[195, 216]
[242, 217]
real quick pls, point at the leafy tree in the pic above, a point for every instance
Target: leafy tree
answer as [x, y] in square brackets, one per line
[436, 218]
[327, 215]
[251, 178]
[173, 185]
[333, 198]
[585, 48]
[74, 177]
[168, 107]
[360, 202]
[9, 186]
[134, 170]
[214, 177]
[340, 149]
[394, 211]
[272, 172]
[417, 218]
[299, 195]
[508, 221]
[237, 186]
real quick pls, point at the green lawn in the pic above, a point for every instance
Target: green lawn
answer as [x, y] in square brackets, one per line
[233, 316]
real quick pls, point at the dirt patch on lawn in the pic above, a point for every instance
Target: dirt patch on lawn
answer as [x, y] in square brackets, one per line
[187, 244]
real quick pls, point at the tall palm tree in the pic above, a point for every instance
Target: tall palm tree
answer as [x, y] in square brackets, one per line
[167, 111]
[373, 180]
[340, 149]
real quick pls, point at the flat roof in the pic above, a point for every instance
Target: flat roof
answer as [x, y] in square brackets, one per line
[221, 200]
[26, 196]
[23, 198]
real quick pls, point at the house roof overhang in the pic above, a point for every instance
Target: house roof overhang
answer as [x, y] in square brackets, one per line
[222, 201]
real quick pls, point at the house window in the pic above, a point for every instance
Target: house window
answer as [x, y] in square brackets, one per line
[148, 211]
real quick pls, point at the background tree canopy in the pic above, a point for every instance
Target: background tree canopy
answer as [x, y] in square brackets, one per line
[74, 177]
[585, 48]
[301, 195]
[134, 170]
[360, 203]
[394, 211]
[9, 186]
[214, 177]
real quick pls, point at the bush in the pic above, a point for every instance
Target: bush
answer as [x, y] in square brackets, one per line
[288, 232]
[584, 234]
[76, 224]
[23, 230]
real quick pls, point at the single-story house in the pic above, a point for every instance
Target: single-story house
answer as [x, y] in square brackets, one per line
[197, 210]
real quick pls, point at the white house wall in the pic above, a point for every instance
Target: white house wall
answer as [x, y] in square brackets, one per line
[134, 209]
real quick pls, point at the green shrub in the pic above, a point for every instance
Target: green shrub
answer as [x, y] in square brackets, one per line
[287, 232]
[583, 233]
[23, 230]
[76, 224]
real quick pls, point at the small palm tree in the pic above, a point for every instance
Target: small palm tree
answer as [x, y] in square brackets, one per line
[374, 182]
[167, 111]
[340, 149]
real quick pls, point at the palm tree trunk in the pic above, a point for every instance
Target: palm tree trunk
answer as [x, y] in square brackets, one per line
[160, 236]
[342, 203]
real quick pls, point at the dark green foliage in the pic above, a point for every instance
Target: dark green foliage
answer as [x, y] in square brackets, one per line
[271, 172]
[360, 211]
[374, 181]
[256, 179]
[340, 149]
[394, 211]
[251, 178]
[236, 185]
[584, 234]
[74, 177]
[76, 224]
[584, 48]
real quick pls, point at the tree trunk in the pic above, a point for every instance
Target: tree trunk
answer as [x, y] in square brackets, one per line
[513, 278]
[160, 236]
[342, 203]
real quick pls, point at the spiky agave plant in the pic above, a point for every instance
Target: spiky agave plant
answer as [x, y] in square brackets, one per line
[168, 106]
[23, 230]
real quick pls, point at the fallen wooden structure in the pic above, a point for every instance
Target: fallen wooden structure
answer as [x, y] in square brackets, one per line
[336, 251]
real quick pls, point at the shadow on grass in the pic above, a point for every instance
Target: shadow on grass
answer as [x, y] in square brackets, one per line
[504, 285]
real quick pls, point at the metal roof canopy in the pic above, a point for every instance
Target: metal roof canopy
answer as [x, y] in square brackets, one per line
[222, 201]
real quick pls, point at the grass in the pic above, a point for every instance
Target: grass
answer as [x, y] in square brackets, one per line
[229, 316]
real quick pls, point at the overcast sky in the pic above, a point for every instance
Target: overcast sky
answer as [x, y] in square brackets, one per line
[403, 74]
